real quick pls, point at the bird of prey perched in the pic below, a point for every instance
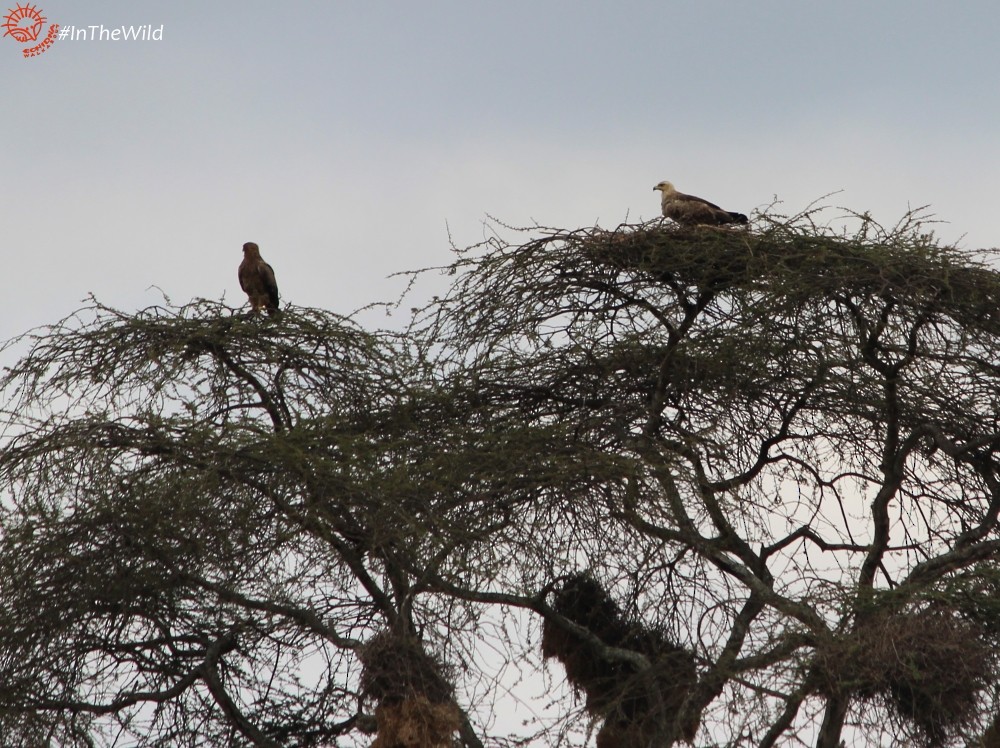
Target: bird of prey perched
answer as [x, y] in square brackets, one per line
[689, 210]
[257, 279]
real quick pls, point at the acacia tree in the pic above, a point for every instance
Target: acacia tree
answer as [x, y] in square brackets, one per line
[742, 486]
[219, 531]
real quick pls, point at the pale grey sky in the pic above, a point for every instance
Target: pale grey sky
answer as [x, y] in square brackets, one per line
[347, 137]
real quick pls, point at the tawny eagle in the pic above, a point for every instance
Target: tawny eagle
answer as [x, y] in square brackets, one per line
[257, 279]
[689, 210]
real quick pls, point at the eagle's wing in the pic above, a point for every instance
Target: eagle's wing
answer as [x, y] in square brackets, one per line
[269, 283]
[245, 276]
[695, 201]
[690, 208]
[693, 211]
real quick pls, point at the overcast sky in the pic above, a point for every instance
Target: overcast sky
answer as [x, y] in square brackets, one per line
[348, 138]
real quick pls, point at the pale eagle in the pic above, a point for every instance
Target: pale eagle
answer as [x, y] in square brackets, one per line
[257, 279]
[689, 210]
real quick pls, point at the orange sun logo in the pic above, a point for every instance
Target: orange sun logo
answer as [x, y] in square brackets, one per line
[24, 23]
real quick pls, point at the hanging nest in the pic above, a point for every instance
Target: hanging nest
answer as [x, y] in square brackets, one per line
[396, 667]
[928, 666]
[416, 706]
[416, 723]
[637, 704]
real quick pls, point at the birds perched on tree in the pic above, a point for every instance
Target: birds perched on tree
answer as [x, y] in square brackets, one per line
[257, 279]
[689, 210]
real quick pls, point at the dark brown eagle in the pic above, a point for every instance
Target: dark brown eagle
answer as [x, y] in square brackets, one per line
[257, 279]
[689, 210]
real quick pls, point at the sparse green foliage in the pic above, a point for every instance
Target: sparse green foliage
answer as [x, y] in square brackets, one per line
[775, 453]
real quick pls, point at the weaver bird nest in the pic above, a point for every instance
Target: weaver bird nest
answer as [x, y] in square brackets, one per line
[928, 666]
[637, 704]
[416, 708]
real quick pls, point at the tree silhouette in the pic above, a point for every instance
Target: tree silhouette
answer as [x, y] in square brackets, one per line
[740, 486]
